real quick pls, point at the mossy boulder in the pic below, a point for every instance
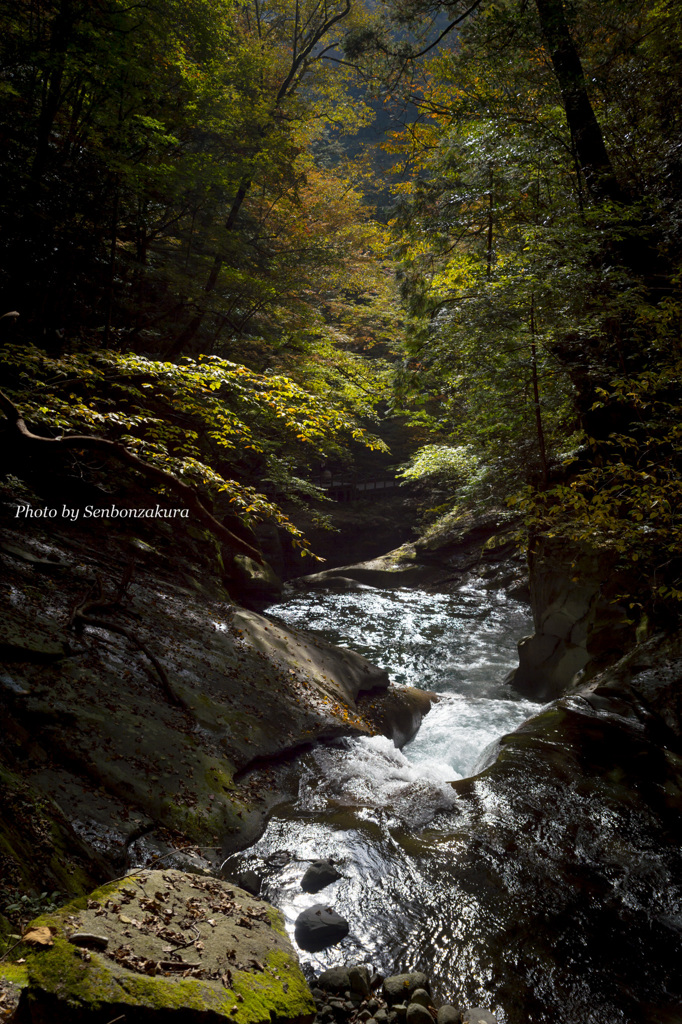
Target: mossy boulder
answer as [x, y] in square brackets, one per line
[165, 944]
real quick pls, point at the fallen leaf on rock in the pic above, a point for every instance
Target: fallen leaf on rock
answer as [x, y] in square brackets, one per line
[39, 937]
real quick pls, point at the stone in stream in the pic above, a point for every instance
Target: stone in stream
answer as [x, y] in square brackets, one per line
[449, 1014]
[319, 927]
[418, 1014]
[477, 1015]
[420, 995]
[401, 986]
[249, 880]
[320, 874]
[335, 979]
[359, 980]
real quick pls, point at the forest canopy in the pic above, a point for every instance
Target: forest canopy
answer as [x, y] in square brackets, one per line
[201, 241]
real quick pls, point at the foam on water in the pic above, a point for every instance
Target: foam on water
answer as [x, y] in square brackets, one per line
[458, 645]
[372, 773]
[459, 728]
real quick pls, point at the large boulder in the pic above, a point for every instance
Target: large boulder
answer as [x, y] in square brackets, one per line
[398, 568]
[397, 712]
[253, 582]
[121, 746]
[339, 673]
[161, 941]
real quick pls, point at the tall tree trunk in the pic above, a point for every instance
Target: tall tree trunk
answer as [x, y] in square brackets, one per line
[491, 225]
[594, 161]
[62, 31]
[542, 448]
[112, 265]
[187, 334]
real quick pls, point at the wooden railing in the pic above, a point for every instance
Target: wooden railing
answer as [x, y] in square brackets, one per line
[341, 488]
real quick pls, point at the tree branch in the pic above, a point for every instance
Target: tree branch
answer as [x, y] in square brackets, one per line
[448, 28]
[116, 451]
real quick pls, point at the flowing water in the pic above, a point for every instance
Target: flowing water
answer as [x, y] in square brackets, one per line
[531, 891]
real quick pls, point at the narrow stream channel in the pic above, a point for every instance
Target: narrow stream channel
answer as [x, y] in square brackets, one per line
[386, 817]
[547, 890]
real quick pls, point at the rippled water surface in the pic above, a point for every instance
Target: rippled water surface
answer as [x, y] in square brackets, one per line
[460, 646]
[365, 803]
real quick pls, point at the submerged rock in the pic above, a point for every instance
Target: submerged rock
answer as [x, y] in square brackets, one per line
[319, 927]
[176, 942]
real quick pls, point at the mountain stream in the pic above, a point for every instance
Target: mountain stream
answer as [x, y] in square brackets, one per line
[517, 893]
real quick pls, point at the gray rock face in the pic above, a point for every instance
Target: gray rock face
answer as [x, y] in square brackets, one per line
[477, 1015]
[418, 1014]
[320, 874]
[401, 986]
[319, 927]
[580, 625]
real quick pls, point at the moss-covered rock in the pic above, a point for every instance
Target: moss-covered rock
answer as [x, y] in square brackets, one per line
[176, 946]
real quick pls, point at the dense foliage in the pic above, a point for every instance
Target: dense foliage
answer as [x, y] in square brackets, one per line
[540, 257]
[161, 197]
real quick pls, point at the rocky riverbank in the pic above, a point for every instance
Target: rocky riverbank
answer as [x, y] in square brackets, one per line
[145, 714]
[357, 995]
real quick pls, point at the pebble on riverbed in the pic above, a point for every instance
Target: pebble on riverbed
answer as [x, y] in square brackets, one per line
[348, 995]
